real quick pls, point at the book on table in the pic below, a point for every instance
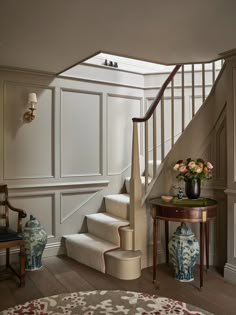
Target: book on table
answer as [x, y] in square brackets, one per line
[190, 202]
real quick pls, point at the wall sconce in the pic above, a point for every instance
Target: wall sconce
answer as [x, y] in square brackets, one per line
[32, 100]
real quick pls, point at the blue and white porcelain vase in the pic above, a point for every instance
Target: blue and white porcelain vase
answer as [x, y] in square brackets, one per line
[35, 241]
[183, 252]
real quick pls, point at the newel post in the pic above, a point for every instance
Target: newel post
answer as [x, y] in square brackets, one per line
[135, 189]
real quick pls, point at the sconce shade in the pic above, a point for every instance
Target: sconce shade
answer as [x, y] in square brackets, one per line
[32, 98]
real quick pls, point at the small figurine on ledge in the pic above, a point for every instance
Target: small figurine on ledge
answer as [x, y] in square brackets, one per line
[180, 193]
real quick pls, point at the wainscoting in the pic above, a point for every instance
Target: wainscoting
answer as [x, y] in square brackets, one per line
[77, 149]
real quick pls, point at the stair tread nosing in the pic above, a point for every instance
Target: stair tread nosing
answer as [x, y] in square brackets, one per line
[106, 226]
[88, 249]
[124, 254]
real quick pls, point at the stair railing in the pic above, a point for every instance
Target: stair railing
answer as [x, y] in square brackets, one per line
[136, 194]
[135, 182]
[151, 112]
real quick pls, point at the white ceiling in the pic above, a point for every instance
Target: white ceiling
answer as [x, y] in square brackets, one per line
[53, 35]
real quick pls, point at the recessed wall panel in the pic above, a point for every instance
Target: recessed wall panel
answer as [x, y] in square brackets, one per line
[28, 146]
[221, 168]
[121, 110]
[234, 122]
[72, 202]
[41, 207]
[81, 127]
[234, 238]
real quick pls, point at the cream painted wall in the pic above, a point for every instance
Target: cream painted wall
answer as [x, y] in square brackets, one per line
[77, 149]
[152, 82]
[230, 267]
[204, 137]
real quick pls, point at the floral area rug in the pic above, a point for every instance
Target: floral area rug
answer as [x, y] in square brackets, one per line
[105, 302]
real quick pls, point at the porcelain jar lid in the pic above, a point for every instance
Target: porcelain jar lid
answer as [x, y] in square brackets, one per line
[183, 230]
[33, 223]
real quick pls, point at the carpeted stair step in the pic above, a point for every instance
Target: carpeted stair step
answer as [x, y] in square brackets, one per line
[125, 265]
[118, 205]
[106, 226]
[103, 256]
[88, 249]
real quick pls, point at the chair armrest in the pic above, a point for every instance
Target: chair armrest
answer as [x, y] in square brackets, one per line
[22, 213]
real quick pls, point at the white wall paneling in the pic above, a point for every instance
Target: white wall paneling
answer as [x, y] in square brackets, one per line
[230, 87]
[59, 186]
[81, 133]
[58, 166]
[75, 205]
[234, 120]
[120, 111]
[234, 238]
[1, 132]
[28, 146]
[221, 149]
[42, 206]
[207, 130]
[71, 202]
[221, 229]
[230, 267]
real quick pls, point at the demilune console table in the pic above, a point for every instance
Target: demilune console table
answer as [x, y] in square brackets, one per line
[183, 213]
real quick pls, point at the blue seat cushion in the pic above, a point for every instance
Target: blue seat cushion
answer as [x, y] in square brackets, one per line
[7, 234]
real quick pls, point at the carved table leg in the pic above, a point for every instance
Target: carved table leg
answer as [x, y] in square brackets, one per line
[201, 252]
[207, 243]
[167, 240]
[155, 231]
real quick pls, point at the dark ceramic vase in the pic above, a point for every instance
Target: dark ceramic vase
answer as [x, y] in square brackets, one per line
[193, 188]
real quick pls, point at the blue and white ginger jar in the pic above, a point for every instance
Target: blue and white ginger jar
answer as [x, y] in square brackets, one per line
[183, 252]
[35, 241]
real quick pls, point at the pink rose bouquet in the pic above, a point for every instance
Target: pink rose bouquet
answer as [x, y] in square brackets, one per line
[190, 169]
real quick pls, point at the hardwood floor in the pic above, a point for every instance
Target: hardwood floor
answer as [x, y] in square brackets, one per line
[61, 274]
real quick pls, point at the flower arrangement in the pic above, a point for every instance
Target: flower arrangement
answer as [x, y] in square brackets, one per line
[193, 169]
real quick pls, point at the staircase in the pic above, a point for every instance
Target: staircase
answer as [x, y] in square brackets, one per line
[108, 244]
[116, 241]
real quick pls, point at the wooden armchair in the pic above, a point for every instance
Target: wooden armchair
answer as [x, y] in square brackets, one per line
[8, 237]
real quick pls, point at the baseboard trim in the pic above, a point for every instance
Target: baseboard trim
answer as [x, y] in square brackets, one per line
[230, 273]
[51, 249]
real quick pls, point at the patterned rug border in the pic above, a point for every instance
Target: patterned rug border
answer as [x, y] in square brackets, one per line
[105, 302]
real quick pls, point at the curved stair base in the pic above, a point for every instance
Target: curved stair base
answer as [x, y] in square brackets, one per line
[124, 265]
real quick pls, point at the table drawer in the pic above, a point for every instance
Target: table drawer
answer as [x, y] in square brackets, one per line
[179, 213]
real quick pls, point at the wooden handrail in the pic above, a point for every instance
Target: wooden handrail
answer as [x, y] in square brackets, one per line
[152, 108]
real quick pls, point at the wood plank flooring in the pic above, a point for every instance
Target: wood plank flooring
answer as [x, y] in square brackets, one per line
[61, 274]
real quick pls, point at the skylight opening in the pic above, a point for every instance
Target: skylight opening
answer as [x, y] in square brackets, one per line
[114, 62]
[127, 64]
